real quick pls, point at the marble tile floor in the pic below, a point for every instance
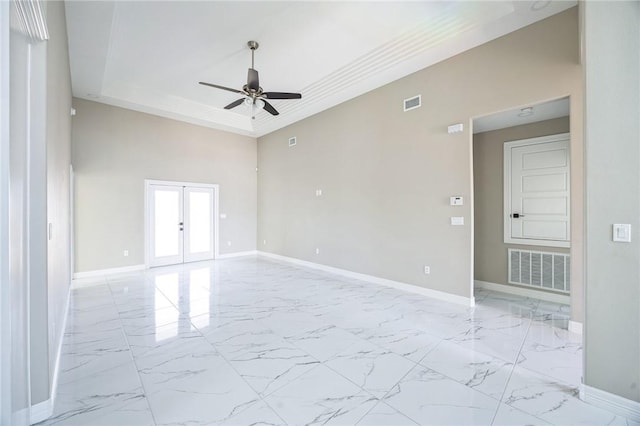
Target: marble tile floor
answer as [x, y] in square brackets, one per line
[252, 341]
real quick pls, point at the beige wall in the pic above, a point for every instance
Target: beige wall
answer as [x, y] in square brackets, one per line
[612, 148]
[114, 150]
[490, 251]
[387, 175]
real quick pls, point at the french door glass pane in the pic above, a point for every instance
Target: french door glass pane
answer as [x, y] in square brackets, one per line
[167, 217]
[199, 222]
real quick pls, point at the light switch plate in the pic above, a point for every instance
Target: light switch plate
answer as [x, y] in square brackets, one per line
[622, 232]
[455, 128]
[457, 220]
[456, 201]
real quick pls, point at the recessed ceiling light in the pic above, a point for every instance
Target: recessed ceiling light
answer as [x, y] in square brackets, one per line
[539, 5]
[525, 112]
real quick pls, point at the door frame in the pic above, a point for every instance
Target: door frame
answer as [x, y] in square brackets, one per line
[5, 293]
[216, 236]
[507, 190]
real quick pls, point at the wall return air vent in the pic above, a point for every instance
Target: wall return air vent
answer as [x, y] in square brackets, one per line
[412, 103]
[547, 270]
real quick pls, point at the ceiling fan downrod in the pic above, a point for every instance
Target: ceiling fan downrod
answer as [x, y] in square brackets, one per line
[253, 45]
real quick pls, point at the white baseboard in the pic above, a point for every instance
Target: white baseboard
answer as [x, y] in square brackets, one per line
[575, 327]
[520, 291]
[41, 411]
[616, 404]
[466, 301]
[109, 271]
[141, 267]
[237, 254]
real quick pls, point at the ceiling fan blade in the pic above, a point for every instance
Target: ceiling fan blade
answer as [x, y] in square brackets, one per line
[221, 87]
[253, 82]
[270, 109]
[234, 103]
[282, 95]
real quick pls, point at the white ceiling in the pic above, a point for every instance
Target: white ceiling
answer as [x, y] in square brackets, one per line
[538, 112]
[149, 56]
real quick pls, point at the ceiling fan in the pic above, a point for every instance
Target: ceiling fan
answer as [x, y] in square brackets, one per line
[254, 96]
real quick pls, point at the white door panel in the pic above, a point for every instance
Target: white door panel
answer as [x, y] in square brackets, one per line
[537, 173]
[548, 230]
[544, 183]
[545, 206]
[539, 158]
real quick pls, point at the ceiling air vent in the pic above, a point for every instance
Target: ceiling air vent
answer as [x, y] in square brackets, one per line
[292, 141]
[412, 103]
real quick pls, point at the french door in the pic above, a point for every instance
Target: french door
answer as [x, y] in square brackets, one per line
[180, 223]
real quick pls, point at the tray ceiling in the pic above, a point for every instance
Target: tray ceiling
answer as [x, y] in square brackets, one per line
[149, 56]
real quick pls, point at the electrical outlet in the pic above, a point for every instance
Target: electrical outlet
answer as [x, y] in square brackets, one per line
[427, 270]
[317, 251]
[126, 253]
[229, 243]
[264, 242]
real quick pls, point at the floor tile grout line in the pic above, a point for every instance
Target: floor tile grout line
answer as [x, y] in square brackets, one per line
[365, 390]
[106, 284]
[353, 344]
[397, 383]
[126, 337]
[458, 381]
[260, 396]
[513, 367]
[382, 399]
[391, 388]
[320, 362]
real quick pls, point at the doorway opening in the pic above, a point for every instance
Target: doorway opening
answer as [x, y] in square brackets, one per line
[523, 248]
[180, 222]
[521, 186]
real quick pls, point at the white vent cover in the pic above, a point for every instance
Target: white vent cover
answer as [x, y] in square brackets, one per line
[292, 141]
[540, 269]
[413, 103]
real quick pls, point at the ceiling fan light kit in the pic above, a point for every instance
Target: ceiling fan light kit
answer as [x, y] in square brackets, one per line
[253, 95]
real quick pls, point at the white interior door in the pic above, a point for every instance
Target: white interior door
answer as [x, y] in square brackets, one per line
[198, 229]
[537, 196]
[180, 223]
[166, 225]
